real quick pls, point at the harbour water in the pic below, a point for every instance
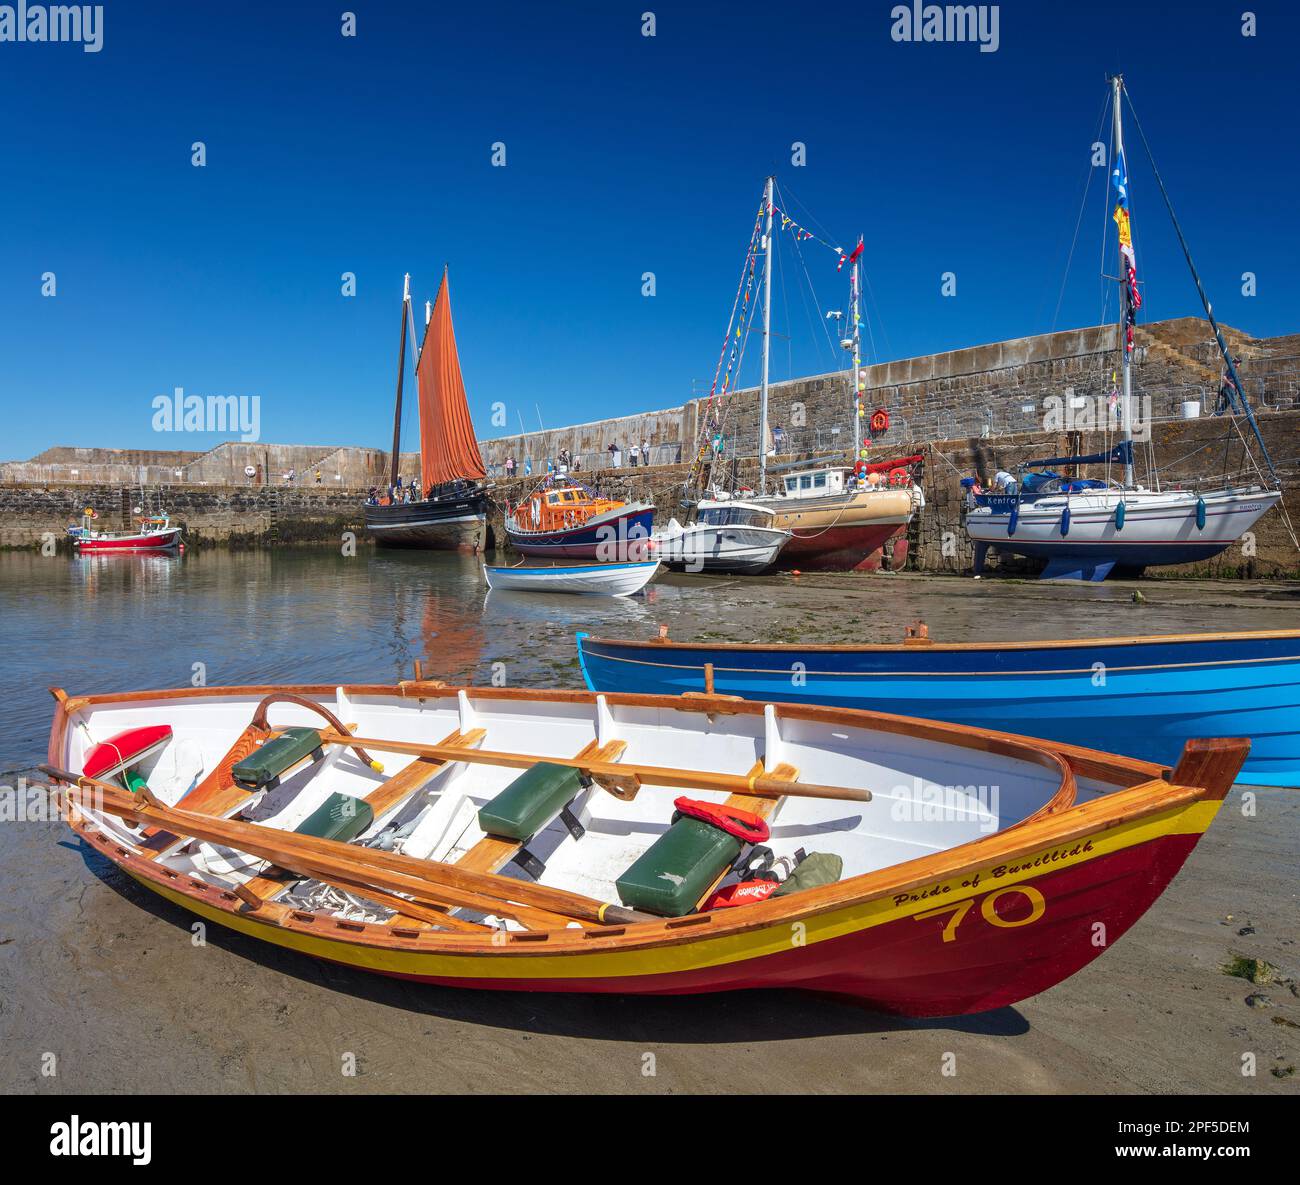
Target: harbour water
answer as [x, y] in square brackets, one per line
[111, 981]
[109, 623]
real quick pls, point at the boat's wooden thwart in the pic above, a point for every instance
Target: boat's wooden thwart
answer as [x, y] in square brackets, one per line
[976, 864]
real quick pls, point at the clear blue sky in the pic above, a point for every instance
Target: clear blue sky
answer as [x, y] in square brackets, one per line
[625, 154]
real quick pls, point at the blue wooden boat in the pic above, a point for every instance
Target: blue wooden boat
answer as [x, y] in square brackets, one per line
[1143, 697]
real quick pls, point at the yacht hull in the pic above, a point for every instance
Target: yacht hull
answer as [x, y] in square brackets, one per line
[1089, 542]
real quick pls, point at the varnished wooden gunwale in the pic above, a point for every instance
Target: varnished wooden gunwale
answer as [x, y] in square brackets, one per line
[1085, 762]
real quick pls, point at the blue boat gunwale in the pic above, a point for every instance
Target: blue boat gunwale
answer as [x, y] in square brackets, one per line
[1166, 687]
[931, 646]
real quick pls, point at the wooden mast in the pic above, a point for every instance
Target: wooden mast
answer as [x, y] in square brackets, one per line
[401, 373]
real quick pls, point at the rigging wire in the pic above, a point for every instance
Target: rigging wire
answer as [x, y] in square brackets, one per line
[850, 384]
[1205, 300]
[812, 289]
[1231, 367]
[880, 320]
[1105, 225]
[789, 337]
[1083, 203]
[866, 278]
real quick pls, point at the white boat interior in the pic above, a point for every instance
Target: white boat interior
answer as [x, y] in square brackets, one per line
[928, 794]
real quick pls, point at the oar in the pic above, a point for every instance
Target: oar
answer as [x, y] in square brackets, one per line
[762, 785]
[399, 905]
[286, 849]
[486, 892]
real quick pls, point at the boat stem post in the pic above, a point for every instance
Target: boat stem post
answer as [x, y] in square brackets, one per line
[1211, 763]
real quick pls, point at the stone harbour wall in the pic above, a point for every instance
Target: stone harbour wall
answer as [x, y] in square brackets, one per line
[987, 391]
[227, 516]
[242, 516]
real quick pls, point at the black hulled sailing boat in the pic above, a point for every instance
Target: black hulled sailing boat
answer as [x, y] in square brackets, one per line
[451, 511]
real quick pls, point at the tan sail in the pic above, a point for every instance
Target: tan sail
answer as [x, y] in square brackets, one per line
[448, 448]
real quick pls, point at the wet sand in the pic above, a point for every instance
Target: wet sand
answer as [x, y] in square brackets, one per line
[105, 976]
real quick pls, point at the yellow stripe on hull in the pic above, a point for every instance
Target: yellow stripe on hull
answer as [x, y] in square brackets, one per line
[658, 958]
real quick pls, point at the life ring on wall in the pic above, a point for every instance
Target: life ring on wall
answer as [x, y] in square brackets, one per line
[879, 421]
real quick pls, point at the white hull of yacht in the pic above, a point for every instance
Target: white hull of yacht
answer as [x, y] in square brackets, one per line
[1081, 536]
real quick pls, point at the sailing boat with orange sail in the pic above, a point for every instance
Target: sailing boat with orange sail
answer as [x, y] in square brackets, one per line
[449, 509]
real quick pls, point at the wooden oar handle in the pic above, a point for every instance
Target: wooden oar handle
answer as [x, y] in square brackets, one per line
[767, 785]
[63, 775]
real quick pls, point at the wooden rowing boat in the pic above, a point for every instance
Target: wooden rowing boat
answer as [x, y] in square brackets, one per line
[529, 840]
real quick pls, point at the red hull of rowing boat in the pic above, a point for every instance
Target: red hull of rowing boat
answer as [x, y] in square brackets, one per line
[907, 967]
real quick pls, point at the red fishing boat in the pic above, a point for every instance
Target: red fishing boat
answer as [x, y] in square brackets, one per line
[156, 534]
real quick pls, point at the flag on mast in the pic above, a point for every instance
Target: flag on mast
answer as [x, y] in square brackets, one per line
[1132, 296]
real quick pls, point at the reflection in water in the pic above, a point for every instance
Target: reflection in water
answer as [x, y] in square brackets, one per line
[130, 570]
[111, 623]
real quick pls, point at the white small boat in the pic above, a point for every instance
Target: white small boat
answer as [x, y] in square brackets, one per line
[727, 536]
[609, 580]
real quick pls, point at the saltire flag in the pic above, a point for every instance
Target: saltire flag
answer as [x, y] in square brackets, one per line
[1119, 178]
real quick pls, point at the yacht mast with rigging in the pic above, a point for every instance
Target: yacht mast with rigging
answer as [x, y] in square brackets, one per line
[767, 336]
[1126, 310]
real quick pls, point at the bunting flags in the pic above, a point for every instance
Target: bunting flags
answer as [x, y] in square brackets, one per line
[733, 343]
[1132, 296]
[734, 336]
[801, 233]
